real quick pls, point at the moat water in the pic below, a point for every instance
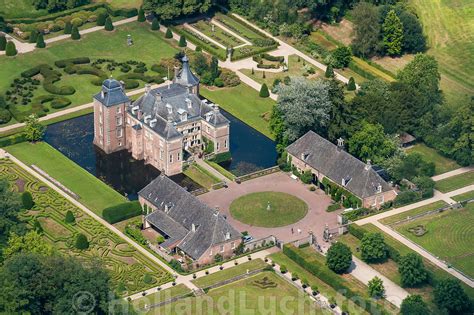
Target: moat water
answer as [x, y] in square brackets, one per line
[251, 151]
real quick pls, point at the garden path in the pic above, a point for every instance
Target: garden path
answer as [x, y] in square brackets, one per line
[457, 171]
[225, 28]
[189, 27]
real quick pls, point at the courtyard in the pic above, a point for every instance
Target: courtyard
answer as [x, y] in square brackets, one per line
[314, 221]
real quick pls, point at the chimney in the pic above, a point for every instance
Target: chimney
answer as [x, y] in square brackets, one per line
[215, 108]
[340, 144]
[147, 88]
[153, 123]
[122, 85]
[176, 72]
[193, 227]
[147, 118]
[189, 103]
[368, 165]
[134, 110]
[139, 114]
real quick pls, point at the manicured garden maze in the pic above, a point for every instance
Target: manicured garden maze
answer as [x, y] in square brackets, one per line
[127, 266]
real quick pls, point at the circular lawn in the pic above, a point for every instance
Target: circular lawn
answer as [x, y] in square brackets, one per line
[253, 209]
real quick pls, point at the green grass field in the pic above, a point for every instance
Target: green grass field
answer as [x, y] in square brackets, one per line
[10, 9]
[229, 273]
[449, 236]
[404, 215]
[253, 209]
[149, 47]
[246, 297]
[465, 196]
[442, 164]
[244, 103]
[455, 182]
[94, 193]
[201, 176]
[123, 3]
[160, 296]
[449, 27]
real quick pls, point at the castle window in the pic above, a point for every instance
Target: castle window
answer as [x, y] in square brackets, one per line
[171, 158]
[119, 109]
[101, 132]
[179, 156]
[100, 119]
[232, 245]
[119, 120]
[161, 155]
[225, 143]
[222, 248]
[218, 146]
[119, 133]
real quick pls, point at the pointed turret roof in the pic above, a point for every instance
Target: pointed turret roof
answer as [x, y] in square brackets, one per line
[185, 76]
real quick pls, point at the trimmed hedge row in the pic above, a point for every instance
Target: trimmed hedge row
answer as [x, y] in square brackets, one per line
[13, 139]
[366, 74]
[50, 77]
[56, 101]
[122, 212]
[237, 55]
[325, 274]
[72, 61]
[219, 53]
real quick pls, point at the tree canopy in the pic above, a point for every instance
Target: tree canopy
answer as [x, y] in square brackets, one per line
[373, 248]
[449, 295]
[414, 305]
[339, 257]
[31, 242]
[34, 130]
[412, 270]
[392, 34]
[170, 9]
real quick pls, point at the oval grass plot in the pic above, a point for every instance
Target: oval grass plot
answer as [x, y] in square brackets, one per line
[268, 209]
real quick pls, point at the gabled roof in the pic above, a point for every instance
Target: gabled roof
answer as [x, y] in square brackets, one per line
[177, 212]
[112, 93]
[337, 164]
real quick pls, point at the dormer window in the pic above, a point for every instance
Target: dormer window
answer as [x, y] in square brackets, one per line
[379, 188]
[189, 103]
[227, 236]
[169, 108]
[346, 180]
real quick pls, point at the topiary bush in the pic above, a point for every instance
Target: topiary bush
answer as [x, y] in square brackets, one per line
[27, 200]
[264, 91]
[40, 41]
[75, 33]
[3, 42]
[168, 33]
[141, 15]
[10, 49]
[155, 25]
[182, 41]
[69, 218]
[122, 212]
[81, 242]
[109, 26]
[351, 86]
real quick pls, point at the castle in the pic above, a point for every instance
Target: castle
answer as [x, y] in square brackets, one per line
[162, 124]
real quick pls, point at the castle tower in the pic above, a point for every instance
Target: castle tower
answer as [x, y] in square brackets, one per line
[186, 77]
[109, 116]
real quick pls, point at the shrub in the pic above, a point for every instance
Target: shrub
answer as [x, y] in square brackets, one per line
[75, 33]
[109, 26]
[69, 218]
[122, 212]
[414, 305]
[147, 278]
[306, 177]
[339, 257]
[373, 248]
[264, 91]
[77, 22]
[155, 25]
[198, 48]
[10, 49]
[341, 56]
[218, 258]
[160, 239]
[3, 42]
[218, 82]
[168, 33]
[177, 266]
[101, 19]
[81, 242]
[27, 200]
[5, 116]
[329, 72]
[182, 41]
[351, 86]
[406, 197]
[141, 15]
[33, 37]
[40, 41]
[68, 28]
[71, 61]
[376, 288]
[333, 207]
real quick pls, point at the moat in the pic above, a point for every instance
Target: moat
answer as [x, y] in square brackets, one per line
[251, 151]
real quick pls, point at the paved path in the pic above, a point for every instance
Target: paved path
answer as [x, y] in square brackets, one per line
[364, 273]
[72, 110]
[458, 171]
[112, 228]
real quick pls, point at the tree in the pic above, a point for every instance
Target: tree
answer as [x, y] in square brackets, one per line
[373, 248]
[27, 200]
[33, 37]
[412, 271]
[11, 49]
[339, 257]
[31, 242]
[449, 295]
[10, 206]
[3, 42]
[264, 91]
[351, 86]
[376, 288]
[393, 34]
[366, 42]
[425, 184]
[410, 166]
[342, 56]
[413, 39]
[302, 105]
[155, 24]
[170, 9]
[40, 41]
[182, 41]
[36, 284]
[168, 33]
[329, 72]
[109, 26]
[81, 242]
[414, 305]
[141, 15]
[371, 143]
[75, 35]
[69, 218]
[101, 19]
[68, 26]
[214, 67]
[34, 130]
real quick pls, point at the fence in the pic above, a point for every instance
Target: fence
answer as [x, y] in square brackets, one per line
[256, 174]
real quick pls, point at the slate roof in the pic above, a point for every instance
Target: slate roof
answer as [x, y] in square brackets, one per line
[336, 164]
[111, 93]
[184, 210]
[185, 76]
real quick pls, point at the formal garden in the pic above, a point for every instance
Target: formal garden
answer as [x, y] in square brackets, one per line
[455, 182]
[268, 209]
[73, 232]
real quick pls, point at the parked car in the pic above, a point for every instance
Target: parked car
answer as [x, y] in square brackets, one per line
[247, 238]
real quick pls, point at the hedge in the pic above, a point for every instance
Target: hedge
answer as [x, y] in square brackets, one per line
[50, 77]
[190, 36]
[13, 139]
[122, 212]
[322, 272]
[237, 55]
[72, 61]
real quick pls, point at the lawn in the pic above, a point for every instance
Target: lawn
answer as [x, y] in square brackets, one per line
[455, 182]
[159, 296]
[94, 193]
[244, 103]
[126, 265]
[448, 235]
[268, 209]
[149, 47]
[257, 294]
[442, 164]
[449, 27]
[422, 209]
[225, 274]
[219, 34]
[201, 176]
[465, 196]
[10, 9]
[123, 3]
